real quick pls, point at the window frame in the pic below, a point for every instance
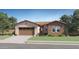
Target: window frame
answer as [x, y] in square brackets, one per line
[56, 28]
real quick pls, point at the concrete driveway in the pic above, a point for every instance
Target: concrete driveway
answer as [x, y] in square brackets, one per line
[16, 39]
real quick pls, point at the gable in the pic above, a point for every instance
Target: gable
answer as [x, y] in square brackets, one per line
[26, 22]
[56, 23]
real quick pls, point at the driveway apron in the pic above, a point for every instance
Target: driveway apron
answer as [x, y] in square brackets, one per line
[16, 39]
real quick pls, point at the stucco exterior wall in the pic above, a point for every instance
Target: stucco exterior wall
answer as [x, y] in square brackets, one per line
[36, 31]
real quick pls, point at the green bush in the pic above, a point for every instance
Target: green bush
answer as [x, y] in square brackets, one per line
[51, 35]
[56, 36]
[61, 35]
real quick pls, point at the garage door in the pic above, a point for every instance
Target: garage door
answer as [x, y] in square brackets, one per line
[26, 31]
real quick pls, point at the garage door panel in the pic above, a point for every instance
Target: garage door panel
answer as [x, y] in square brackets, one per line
[26, 31]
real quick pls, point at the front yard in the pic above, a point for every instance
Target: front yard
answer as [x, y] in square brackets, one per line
[54, 40]
[2, 37]
[50, 38]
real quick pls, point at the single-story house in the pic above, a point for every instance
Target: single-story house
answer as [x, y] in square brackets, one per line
[39, 28]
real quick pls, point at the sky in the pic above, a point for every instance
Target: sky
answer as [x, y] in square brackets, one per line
[37, 15]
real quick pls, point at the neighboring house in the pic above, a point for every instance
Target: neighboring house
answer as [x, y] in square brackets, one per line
[39, 28]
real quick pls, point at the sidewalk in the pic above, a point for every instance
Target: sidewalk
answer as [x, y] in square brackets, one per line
[54, 42]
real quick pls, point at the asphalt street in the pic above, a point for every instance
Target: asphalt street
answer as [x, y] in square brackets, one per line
[36, 46]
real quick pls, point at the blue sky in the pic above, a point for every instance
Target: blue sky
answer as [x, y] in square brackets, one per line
[37, 14]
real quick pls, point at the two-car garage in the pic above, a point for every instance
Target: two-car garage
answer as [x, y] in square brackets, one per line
[26, 31]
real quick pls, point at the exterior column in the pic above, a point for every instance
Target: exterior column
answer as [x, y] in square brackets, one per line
[17, 30]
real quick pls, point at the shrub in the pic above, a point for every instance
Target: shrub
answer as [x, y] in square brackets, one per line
[51, 35]
[61, 35]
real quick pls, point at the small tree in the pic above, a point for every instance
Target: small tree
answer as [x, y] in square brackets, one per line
[67, 20]
[3, 22]
[6, 22]
[76, 19]
[72, 22]
[13, 22]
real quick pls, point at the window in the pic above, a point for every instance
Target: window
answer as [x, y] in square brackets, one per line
[45, 28]
[53, 30]
[56, 29]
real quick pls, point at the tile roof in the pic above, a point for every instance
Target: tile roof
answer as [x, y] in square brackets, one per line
[42, 23]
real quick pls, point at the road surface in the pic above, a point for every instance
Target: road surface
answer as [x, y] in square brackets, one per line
[36, 46]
